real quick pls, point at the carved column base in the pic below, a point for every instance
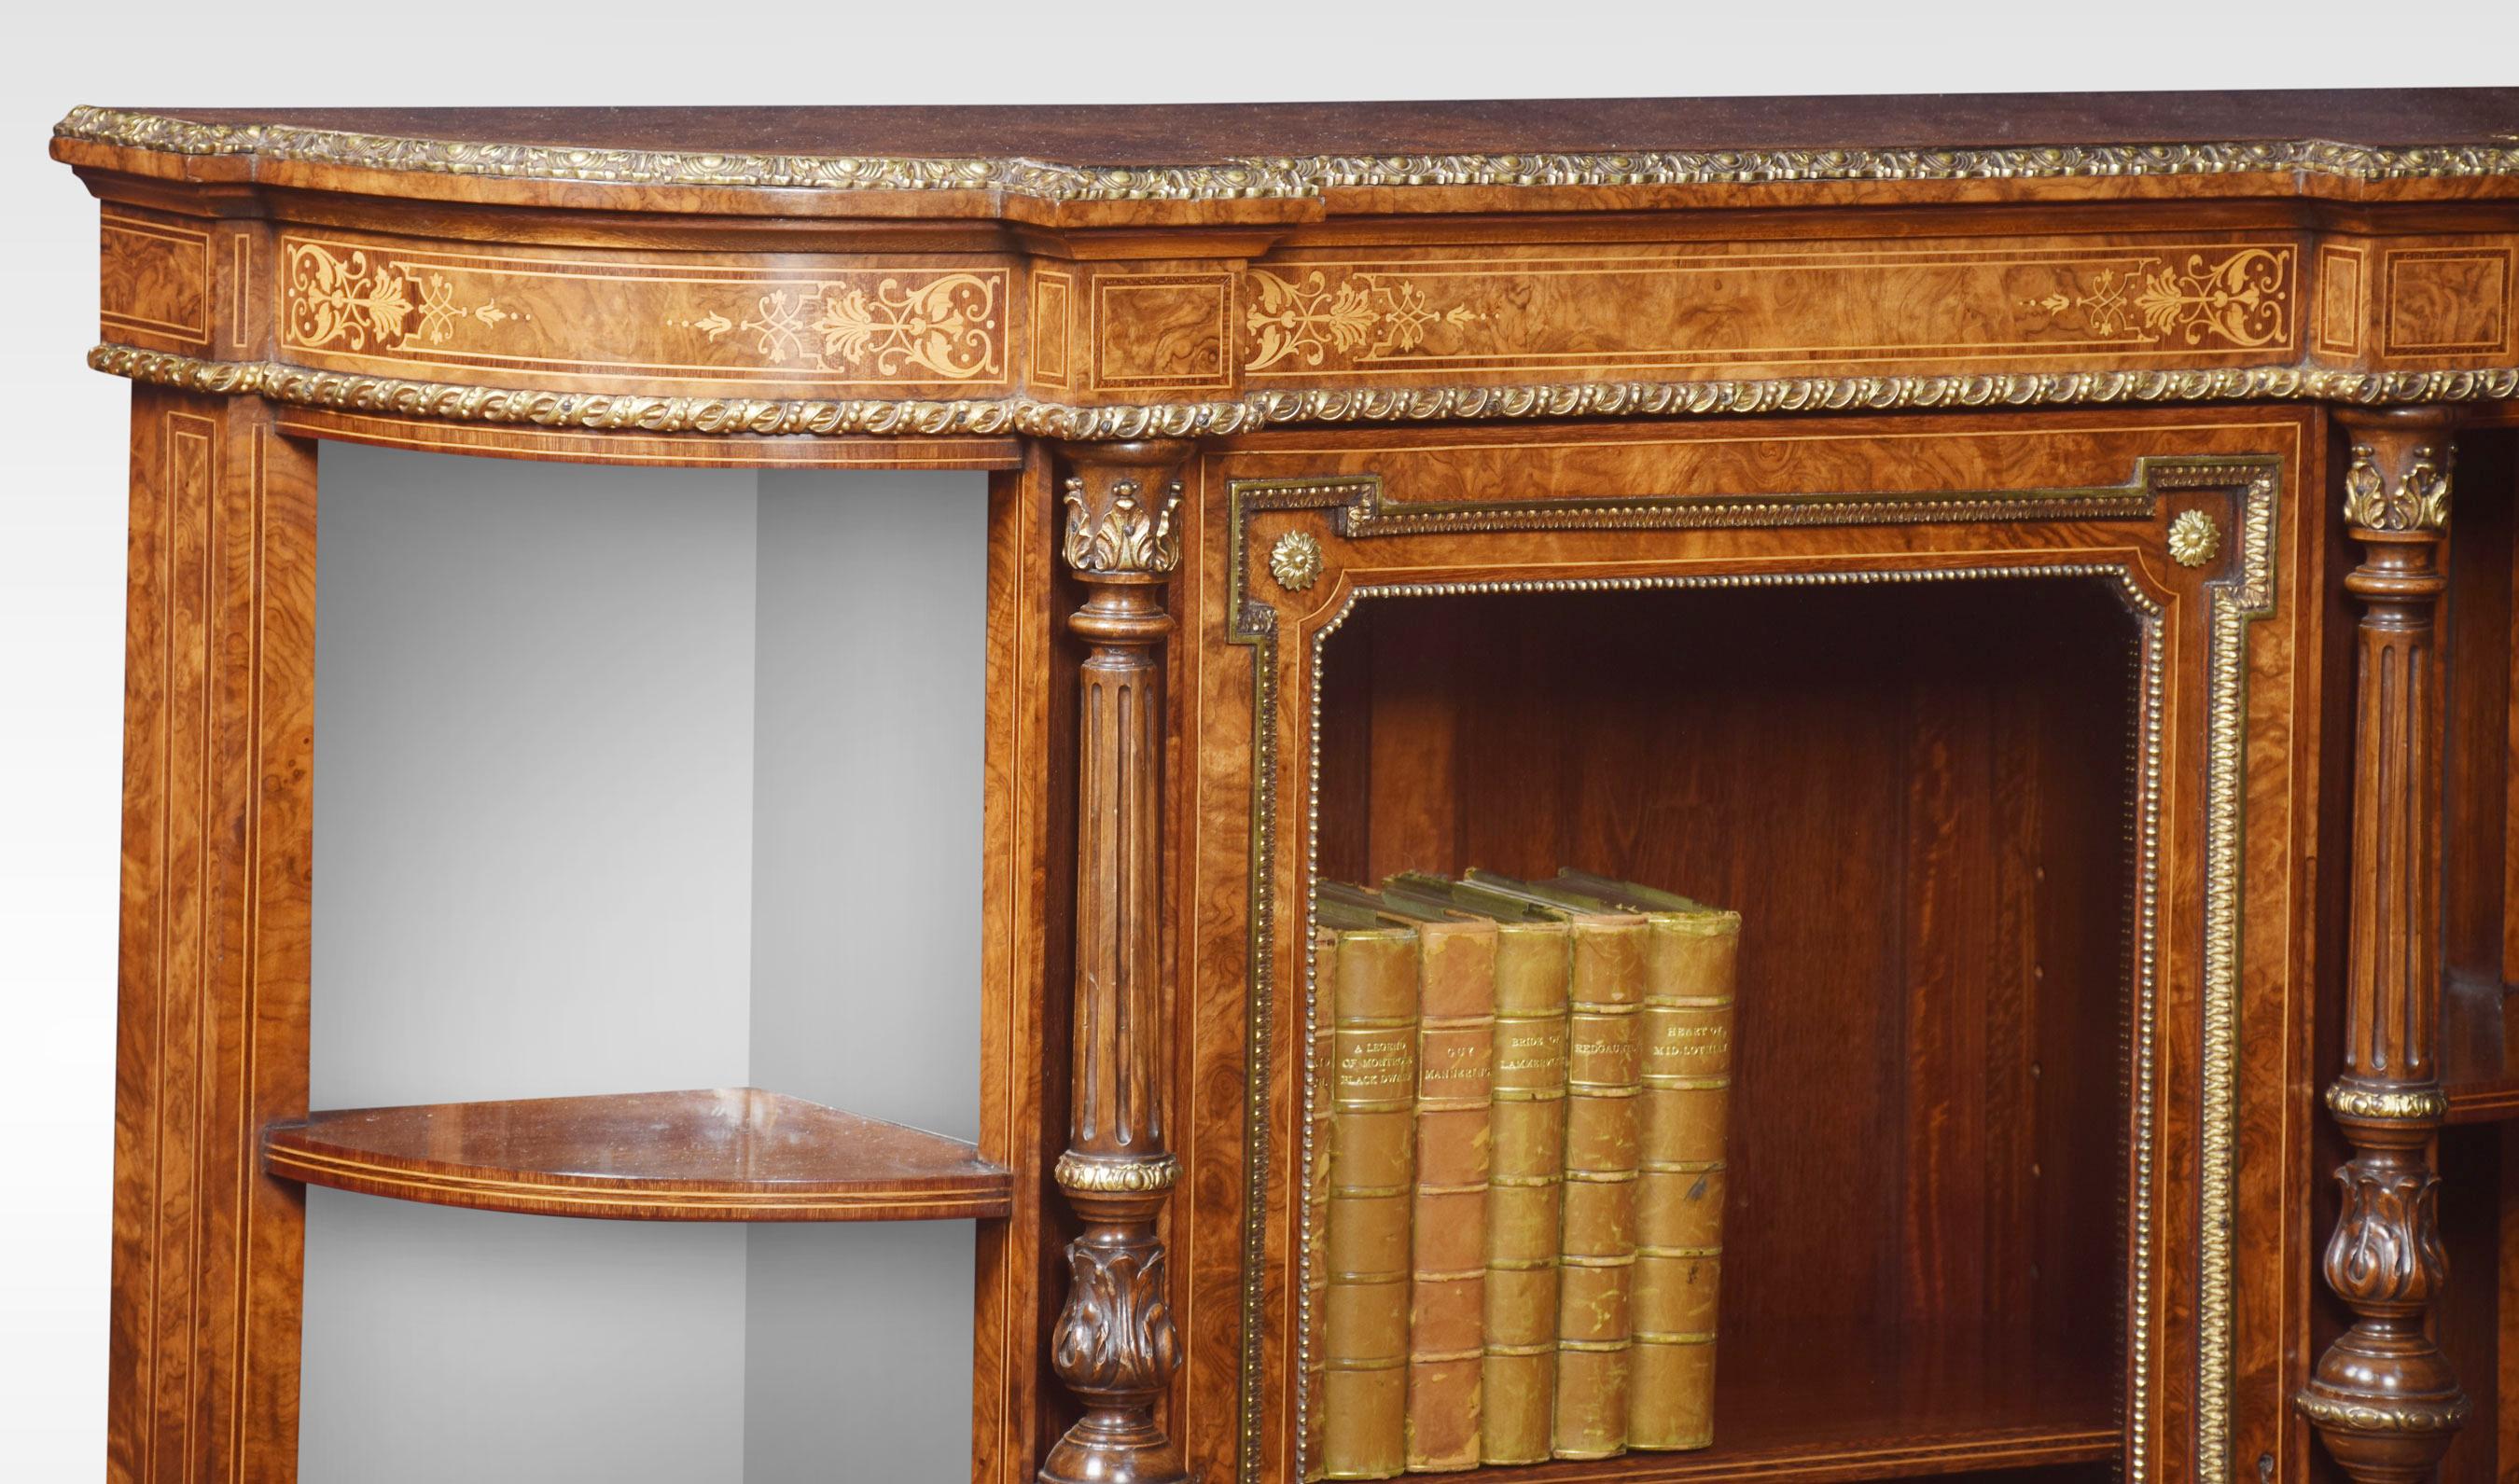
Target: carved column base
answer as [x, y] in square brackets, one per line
[2384, 1403]
[1116, 1346]
[2382, 1398]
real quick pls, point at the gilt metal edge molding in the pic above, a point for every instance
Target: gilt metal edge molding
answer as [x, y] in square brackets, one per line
[2407, 1416]
[1094, 1175]
[2150, 718]
[647, 413]
[1275, 177]
[2236, 603]
[2387, 1105]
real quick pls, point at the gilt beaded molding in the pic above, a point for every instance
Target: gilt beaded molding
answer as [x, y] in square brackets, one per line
[2387, 1105]
[644, 413]
[2409, 1417]
[1108, 1177]
[1274, 178]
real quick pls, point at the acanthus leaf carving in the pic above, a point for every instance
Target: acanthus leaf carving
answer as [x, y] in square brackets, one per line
[1115, 1332]
[2416, 499]
[1123, 536]
[2386, 1250]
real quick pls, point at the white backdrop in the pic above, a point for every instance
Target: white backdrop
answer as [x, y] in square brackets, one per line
[60, 502]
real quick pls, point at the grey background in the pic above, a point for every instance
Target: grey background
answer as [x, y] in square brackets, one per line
[635, 779]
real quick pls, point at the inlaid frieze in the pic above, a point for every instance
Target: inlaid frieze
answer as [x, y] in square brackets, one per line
[1645, 310]
[909, 325]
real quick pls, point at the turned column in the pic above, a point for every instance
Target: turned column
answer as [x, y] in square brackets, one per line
[2382, 1396]
[1115, 1345]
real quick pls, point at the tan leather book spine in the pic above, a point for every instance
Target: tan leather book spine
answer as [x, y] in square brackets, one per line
[1447, 1282]
[1527, 1170]
[1598, 1246]
[1689, 972]
[1317, 1202]
[1373, 1087]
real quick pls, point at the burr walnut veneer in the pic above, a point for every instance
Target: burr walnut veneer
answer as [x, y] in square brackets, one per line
[2000, 544]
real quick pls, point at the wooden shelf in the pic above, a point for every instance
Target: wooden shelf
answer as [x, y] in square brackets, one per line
[1829, 1402]
[734, 1154]
[2484, 1102]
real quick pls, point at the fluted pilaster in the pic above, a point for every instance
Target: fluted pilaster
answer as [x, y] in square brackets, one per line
[1115, 1344]
[2382, 1397]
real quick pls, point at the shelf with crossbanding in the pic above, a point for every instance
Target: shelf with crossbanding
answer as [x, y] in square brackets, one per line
[711, 1155]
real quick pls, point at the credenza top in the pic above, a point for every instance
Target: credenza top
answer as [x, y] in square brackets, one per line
[1191, 134]
[1285, 150]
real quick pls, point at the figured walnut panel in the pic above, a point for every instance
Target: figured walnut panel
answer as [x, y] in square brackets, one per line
[154, 280]
[1159, 329]
[2445, 301]
[218, 722]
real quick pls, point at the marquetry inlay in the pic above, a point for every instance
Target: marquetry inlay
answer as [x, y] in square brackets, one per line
[354, 303]
[2241, 298]
[1639, 308]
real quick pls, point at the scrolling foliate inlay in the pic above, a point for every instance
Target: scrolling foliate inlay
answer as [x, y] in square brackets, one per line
[1358, 316]
[2242, 299]
[879, 325]
[1642, 306]
[945, 326]
[351, 300]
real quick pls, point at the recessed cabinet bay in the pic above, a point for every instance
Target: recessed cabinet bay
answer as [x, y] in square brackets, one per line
[1997, 550]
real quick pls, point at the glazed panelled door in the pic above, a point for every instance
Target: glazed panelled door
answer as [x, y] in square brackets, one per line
[1994, 737]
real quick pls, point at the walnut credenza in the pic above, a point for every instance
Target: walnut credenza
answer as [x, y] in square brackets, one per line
[2000, 544]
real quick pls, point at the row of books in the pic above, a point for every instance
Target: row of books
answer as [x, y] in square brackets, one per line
[1515, 1204]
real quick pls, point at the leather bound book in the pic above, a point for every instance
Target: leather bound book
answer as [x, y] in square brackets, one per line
[1316, 1201]
[1447, 1320]
[1525, 1167]
[1373, 1086]
[1525, 1180]
[1597, 1245]
[1690, 957]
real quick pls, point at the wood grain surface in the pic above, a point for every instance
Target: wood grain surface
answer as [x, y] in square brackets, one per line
[727, 1154]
